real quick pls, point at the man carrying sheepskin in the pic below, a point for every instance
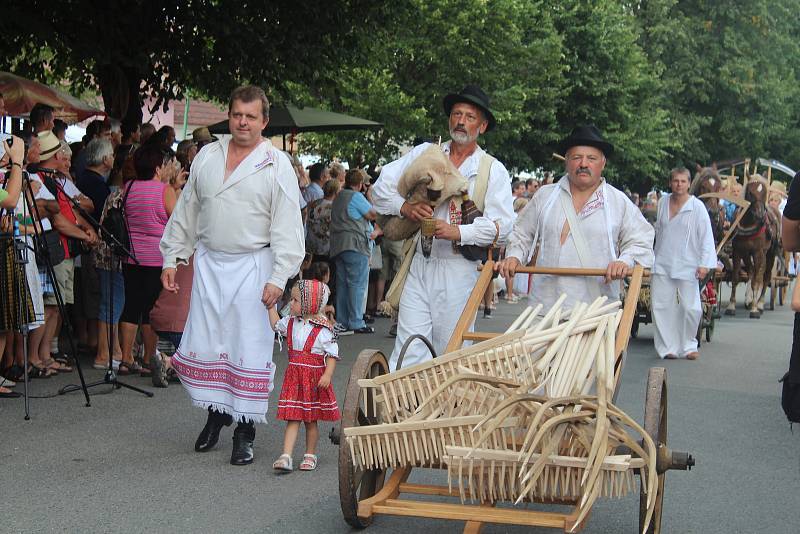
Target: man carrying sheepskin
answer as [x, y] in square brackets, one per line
[580, 221]
[438, 286]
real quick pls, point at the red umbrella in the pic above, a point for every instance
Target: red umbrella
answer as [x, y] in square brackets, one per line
[21, 94]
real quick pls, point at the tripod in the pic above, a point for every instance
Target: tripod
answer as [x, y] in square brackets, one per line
[21, 259]
[118, 251]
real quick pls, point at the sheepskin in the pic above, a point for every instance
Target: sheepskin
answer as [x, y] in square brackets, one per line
[430, 178]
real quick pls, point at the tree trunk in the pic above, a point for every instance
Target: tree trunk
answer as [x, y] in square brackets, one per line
[120, 90]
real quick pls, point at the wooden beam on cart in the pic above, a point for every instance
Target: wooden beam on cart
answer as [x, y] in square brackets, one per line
[739, 201]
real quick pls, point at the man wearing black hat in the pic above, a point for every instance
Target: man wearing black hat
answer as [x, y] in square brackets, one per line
[437, 287]
[580, 221]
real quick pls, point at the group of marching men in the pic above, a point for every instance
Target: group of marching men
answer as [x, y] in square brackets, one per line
[247, 185]
[579, 221]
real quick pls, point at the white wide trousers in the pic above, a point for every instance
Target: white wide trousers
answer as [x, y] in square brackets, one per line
[676, 314]
[436, 291]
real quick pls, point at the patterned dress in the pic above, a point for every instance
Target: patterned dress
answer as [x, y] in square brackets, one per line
[300, 398]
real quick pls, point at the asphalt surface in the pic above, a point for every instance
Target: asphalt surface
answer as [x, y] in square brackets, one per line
[126, 464]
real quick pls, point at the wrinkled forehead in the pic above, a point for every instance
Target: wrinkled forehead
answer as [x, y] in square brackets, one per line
[584, 151]
[465, 107]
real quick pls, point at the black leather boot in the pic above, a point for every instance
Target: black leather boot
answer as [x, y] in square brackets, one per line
[210, 434]
[243, 437]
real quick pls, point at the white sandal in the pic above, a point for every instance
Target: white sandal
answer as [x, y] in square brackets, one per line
[283, 464]
[309, 462]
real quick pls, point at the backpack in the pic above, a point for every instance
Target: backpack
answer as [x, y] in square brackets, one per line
[115, 223]
[790, 394]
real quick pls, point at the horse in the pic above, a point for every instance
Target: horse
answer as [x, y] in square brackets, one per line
[707, 180]
[756, 242]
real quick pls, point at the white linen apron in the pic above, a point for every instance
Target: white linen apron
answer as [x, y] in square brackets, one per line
[225, 357]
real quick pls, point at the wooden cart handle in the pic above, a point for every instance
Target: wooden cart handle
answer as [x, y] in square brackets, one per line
[566, 271]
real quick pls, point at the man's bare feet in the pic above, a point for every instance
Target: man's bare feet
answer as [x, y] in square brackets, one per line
[693, 355]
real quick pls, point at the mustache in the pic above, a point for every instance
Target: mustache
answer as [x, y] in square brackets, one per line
[584, 170]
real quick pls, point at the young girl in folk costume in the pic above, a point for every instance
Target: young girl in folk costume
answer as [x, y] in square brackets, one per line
[307, 394]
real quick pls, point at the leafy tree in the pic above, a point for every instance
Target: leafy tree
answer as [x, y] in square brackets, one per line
[729, 77]
[161, 48]
[433, 47]
[610, 83]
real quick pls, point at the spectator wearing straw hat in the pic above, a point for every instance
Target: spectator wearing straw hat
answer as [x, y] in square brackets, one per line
[201, 137]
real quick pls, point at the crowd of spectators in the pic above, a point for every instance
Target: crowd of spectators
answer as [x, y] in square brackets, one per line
[71, 189]
[133, 165]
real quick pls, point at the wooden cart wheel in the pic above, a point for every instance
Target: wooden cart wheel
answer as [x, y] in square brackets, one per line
[710, 326]
[717, 305]
[699, 335]
[655, 424]
[772, 290]
[357, 484]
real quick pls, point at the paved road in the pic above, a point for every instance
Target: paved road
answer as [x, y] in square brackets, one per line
[126, 464]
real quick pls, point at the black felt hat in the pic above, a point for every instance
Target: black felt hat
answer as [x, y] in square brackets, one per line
[471, 94]
[587, 135]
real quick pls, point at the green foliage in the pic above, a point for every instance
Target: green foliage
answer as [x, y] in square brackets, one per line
[429, 48]
[668, 81]
[162, 48]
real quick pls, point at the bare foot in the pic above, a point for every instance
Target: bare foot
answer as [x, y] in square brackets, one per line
[693, 355]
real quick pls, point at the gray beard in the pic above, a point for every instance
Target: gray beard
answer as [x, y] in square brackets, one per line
[461, 138]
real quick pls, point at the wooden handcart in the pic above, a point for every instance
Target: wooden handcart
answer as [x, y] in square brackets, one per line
[779, 285]
[390, 424]
[644, 307]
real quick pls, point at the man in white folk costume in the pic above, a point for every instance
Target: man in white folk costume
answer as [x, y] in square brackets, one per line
[240, 209]
[437, 287]
[581, 221]
[685, 252]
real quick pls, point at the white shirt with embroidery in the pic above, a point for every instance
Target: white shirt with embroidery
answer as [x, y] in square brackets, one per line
[258, 205]
[325, 344]
[608, 215]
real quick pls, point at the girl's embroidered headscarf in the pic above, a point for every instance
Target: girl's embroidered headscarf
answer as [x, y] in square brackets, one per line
[313, 297]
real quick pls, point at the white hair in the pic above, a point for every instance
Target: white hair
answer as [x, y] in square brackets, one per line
[96, 150]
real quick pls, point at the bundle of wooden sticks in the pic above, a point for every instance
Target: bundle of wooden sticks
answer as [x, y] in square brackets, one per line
[524, 416]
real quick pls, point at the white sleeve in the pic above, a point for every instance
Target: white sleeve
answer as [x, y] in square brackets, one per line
[705, 238]
[385, 198]
[520, 240]
[180, 234]
[327, 343]
[636, 236]
[44, 193]
[498, 207]
[282, 326]
[286, 233]
[71, 189]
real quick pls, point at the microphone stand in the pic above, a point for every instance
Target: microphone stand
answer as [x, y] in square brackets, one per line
[21, 258]
[117, 248]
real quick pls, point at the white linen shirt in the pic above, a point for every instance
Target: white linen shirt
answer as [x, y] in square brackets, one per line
[258, 205]
[325, 344]
[684, 242]
[43, 194]
[543, 220]
[498, 204]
